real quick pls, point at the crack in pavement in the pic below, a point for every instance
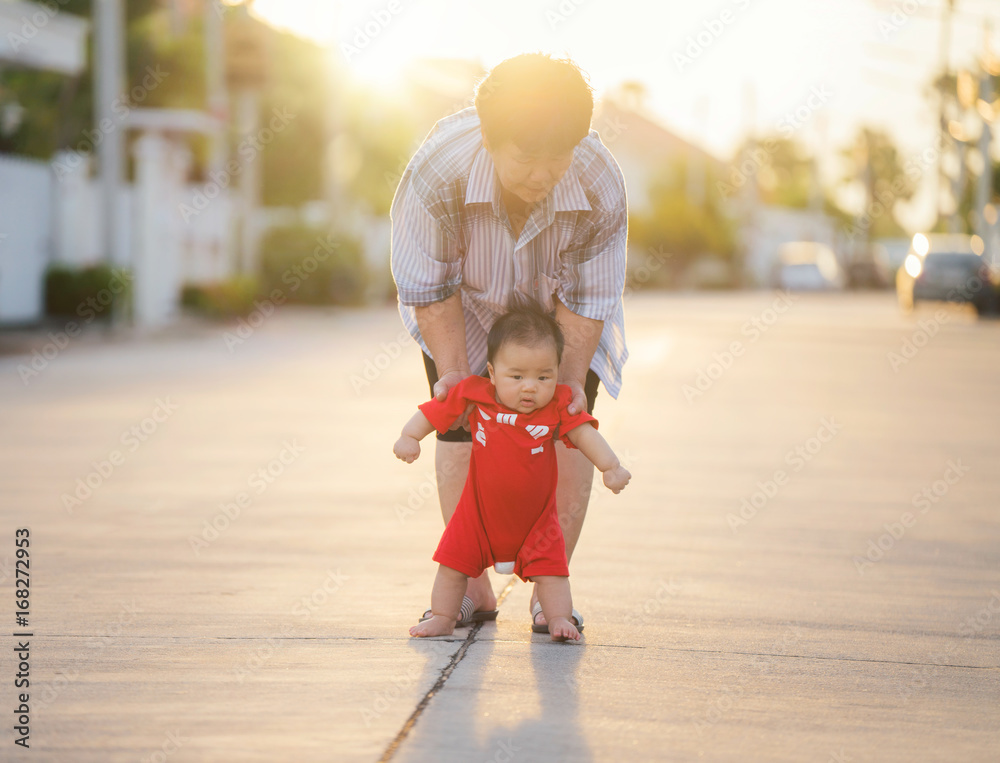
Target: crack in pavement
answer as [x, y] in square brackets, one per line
[475, 629]
[456, 658]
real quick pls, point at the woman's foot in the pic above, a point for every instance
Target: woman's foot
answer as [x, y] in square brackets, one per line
[481, 593]
[435, 625]
[537, 618]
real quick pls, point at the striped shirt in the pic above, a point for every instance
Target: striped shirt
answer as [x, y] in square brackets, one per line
[450, 232]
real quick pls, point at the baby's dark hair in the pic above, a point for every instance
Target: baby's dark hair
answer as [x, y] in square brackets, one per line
[525, 322]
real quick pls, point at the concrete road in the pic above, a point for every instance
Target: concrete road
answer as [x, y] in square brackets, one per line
[225, 557]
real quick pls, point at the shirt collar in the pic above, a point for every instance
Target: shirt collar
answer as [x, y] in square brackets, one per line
[483, 188]
[568, 195]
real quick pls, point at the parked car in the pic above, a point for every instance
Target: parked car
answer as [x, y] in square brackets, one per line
[946, 268]
[890, 253]
[868, 269]
[807, 266]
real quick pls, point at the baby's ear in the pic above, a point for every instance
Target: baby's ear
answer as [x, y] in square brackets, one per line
[489, 369]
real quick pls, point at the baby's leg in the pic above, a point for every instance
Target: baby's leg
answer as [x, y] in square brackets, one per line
[557, 606]
[446, 603]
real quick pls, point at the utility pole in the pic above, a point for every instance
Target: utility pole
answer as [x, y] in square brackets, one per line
[245, 74]
[109, 76]
[816, 186]
[751, 252]
[984, 183]
[945, 71]
[215, 84]
[696, 169]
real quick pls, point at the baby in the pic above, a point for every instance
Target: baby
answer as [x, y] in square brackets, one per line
[507, 513]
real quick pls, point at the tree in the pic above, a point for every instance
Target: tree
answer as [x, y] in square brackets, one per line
[680, 227]
[58, 109]
[885, 180]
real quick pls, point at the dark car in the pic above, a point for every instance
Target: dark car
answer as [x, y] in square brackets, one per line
[945, 269]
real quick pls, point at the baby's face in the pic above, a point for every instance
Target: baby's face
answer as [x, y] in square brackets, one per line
[525, 375]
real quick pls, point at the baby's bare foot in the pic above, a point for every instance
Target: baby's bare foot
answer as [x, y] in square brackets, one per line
[562, 629]
[437, 625]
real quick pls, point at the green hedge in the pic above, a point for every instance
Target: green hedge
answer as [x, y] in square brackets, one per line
[312, 267]
[90, 293]
[228, 299]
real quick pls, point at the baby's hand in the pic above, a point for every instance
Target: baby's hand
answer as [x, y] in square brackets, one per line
[406, 449]
[617, 478]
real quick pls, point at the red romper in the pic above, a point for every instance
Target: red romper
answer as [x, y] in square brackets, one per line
[507, 511]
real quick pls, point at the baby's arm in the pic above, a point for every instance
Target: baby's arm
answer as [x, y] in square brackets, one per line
[407, 447]
[596, 448]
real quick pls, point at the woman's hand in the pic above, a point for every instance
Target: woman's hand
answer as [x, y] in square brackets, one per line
[578, 403]
[441, 387]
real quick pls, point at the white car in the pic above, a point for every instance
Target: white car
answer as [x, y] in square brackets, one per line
[807, 266]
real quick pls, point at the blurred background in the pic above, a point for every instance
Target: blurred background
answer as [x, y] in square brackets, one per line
[163, 159]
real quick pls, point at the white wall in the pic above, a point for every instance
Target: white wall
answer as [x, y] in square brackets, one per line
[773, 226]
[49, 216]
[25, 224]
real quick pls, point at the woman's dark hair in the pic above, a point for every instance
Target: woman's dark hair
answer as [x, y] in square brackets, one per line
[541, 104]
[525, 322]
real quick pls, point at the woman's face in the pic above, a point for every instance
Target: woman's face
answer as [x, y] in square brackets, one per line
[528, 176]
